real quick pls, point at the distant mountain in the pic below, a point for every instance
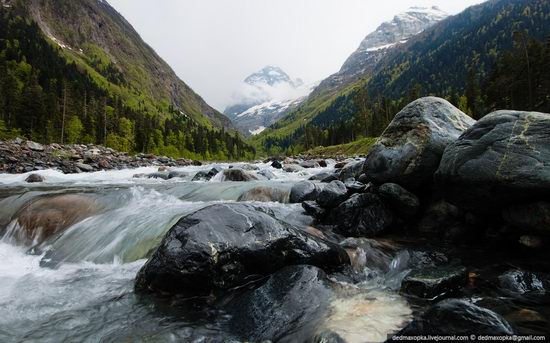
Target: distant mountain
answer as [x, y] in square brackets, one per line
[263, 98]
[448, 59]
[84, 55]
[377, 44]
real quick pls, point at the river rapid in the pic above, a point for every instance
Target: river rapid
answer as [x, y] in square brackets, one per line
[78, 286]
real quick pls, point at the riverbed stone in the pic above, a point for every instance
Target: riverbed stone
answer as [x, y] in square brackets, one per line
[303, 191]
[362, 215]
[457, 317]
[44, 217]
[289, 307]
[265, 194]
[531, 217]
[504, 159]
[333, 194]
[401, 200]
[34, 178]
[520, 282]
[410, 149]
[351, 170]
[238, 175]
[313, 209]
[434, 282]
[221, 246]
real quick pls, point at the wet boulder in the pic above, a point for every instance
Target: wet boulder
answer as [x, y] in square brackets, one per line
[303, 191]
[159, 175]
[333, 194]
[222, 246]
[401, 200]
[204, 175]
[504, 159]
[458, 317]
[277, 165]
[322, 176]
[292, 168]
[237, 175]
[355, 187]
[34, 178]
[44, 217]
[264, 194]
[313, 209]
[173, 174]
[351, 170]
[288, 307]
[520, 282]
[362, 215]
[434, 282]
[410, 149]
[310, 164]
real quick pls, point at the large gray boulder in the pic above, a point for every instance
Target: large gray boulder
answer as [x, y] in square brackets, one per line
[303, 191]
[503, 159]
[224, 245]
[409, 151]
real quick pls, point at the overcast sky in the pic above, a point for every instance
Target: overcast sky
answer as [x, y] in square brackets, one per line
[214, 44]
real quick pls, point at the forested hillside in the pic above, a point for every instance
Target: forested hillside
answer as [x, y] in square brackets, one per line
[491, 56]
[51, 91]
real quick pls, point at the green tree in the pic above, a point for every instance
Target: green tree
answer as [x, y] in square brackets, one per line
[73, 130]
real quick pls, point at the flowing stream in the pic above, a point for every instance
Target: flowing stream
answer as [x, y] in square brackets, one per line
[78, 286]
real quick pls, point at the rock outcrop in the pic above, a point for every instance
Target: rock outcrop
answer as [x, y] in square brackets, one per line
[223, 246]
[410, 149]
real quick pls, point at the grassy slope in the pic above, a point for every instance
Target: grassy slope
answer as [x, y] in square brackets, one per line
[94, 30]
[359, 147]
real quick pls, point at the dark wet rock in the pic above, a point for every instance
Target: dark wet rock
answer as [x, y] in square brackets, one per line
[303, 191]
[401, 200]
[531, 241]
[177, 174]
[159, 175]
[277, 165]
[322, 176]
[434, 282]
[322, 163]
[328, 337]
[518, 281]
[355, 187]
[264, 194]
[458, 317]
[47, 216]
[289, 307]
[206, 175]
[333, 194]
[362, 215]
[504, 159]
[104, 164]
[292, 168]
[268, 174]
[34, 178]
[310, 164]
[202, 176]
[330, 178]
[163, 169]
[351, 170]
[313, 209]
[238, 175]
[410, 149]
[526, 316]
[534, 217]
[340, 165]
[84, 167]
[363, 178]
[221, 246]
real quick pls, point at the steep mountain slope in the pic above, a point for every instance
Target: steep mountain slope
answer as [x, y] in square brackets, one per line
[88, 29]
[263, 98]
[377, 44]
[77, 72]
[442, 60]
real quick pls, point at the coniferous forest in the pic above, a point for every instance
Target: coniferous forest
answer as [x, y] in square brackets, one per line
[46, 98]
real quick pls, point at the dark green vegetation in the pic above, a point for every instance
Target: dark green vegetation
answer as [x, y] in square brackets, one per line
[77, 72]
[491, 56]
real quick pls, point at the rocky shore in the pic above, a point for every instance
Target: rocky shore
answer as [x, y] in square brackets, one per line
[20, 156]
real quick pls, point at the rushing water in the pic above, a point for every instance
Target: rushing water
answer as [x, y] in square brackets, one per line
[78, 286]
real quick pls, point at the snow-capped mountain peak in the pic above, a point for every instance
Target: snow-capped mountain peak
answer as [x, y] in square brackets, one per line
[271, 76]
